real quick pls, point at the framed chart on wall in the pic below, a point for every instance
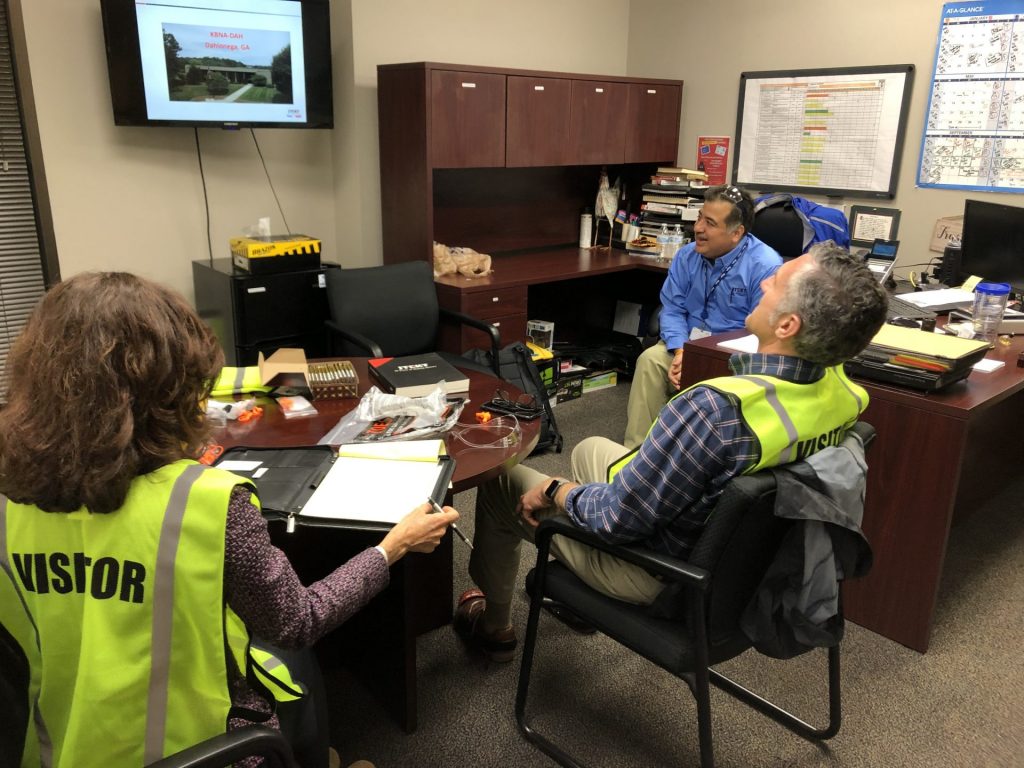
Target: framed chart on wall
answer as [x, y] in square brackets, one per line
[832, 131]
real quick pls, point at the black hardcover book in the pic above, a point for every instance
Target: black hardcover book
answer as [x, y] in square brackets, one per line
[417, 375]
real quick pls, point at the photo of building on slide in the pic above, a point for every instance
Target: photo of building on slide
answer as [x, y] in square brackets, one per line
[227, 65]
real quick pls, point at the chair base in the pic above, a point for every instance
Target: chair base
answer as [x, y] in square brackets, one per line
[707, 759]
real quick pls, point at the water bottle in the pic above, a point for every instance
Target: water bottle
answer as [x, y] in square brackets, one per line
[664, 243]
[586, 227]
[987, 314]
[677, 239]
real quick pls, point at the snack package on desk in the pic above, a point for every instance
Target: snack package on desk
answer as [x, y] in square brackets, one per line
[398, 418]
[219, 411]
[296, 406]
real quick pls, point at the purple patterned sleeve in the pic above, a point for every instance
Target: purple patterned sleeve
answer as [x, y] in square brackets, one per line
[261, 586]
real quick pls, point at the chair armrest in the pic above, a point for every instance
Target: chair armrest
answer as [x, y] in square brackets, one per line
[356, 338]
[228, 748]
[666, 566]
[490, 330]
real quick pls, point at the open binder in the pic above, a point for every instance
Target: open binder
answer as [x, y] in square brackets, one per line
[369, 486]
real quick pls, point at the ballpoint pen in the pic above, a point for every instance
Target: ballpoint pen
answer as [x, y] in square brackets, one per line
[460, 534]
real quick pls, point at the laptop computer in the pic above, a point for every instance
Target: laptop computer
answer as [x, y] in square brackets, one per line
[882, 257]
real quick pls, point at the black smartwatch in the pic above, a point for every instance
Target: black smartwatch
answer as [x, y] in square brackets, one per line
[553, 487]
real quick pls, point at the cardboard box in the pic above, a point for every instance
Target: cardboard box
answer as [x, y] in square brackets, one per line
[947, 228]
[285, 370]
[569, 387]
[596, 380]
[275, 253]
[547, 371]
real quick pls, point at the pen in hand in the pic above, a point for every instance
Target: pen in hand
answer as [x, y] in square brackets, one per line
[435, 507]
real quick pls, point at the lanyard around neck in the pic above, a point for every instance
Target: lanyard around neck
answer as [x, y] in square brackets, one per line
[710, 292]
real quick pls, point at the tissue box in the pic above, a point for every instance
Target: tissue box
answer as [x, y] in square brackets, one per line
[275, 253]
[596, 380]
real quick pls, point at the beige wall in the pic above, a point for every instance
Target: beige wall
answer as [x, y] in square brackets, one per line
[566, 36]
[723, 39]
[132, 198]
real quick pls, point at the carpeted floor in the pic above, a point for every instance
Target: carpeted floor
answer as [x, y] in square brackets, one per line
[960, 704]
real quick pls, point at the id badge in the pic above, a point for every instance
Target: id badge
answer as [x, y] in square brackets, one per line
[698, 333]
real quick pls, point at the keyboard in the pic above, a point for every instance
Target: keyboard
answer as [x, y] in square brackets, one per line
[902, 308]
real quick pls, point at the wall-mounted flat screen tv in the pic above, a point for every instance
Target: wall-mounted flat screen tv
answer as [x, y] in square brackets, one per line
[229, 63]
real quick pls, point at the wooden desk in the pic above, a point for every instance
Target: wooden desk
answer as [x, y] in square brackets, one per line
[935, 456]
[505, 299]
[378, 644]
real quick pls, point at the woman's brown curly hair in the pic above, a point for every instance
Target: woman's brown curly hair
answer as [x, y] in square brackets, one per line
[105, 384]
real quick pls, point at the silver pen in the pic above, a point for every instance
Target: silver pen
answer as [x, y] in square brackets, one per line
[460, 534]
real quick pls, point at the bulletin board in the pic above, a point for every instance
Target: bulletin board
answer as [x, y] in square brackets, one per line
[974, 132]
[827, 131]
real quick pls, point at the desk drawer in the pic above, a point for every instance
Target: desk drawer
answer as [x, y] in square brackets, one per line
[499, 302]
[460, 338]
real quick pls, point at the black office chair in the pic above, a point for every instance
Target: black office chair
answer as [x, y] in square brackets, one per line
[393, 311]
[229, 748]
[780, 227]
[716, 584]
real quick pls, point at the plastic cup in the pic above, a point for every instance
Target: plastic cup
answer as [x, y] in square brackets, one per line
[989, 304]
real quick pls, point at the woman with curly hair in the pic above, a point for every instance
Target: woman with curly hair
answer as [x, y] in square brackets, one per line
[131, 577]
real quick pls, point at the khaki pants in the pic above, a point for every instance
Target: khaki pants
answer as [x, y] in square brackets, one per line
[648, 393]
[500, 531]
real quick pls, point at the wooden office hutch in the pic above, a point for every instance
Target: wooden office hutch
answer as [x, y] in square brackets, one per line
[504, 161]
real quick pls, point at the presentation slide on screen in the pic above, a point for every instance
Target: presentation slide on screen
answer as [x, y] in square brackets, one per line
[212, 61]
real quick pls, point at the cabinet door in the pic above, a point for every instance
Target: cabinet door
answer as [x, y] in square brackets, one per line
[652, 123]
[597, 125]
[467, 119]
[537, 121]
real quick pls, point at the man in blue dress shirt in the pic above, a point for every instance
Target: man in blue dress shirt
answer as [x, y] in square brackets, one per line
[713, 283]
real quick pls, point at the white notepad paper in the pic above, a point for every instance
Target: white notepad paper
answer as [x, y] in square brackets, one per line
[378, 482]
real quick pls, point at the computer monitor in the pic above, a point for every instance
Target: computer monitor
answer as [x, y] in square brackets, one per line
[993, 243]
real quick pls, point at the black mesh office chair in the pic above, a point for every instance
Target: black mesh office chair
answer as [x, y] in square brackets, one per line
[393, 311]
[229, 748]
[780, 227]
[717, 582]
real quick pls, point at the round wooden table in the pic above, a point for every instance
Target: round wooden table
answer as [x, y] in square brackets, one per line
[473, 465]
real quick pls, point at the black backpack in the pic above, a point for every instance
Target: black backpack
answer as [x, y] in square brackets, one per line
[518, 369]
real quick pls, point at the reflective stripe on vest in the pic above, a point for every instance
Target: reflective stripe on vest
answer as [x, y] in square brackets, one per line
[790, 420]
[266, 673]
[163, 614]
[274, 676]
[126, 613]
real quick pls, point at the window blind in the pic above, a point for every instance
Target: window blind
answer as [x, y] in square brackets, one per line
[21, 268]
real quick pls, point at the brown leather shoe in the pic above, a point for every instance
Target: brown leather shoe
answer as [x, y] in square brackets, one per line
[499, 646]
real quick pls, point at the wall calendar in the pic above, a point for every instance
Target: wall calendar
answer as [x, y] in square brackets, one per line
[974, 126]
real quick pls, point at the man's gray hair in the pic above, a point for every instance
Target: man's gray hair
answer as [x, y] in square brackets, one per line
[840, 303]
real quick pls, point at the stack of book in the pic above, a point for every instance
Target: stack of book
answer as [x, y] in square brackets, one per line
[673, 196]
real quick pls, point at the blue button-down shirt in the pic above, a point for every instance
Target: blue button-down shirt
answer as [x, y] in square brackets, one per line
[699, 443]
[690, 297]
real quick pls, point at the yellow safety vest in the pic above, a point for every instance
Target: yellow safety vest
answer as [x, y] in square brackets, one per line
[123, 621]
[235, 381]
[790, 420]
